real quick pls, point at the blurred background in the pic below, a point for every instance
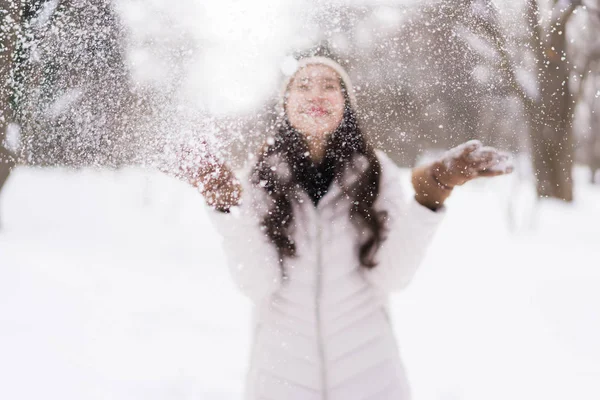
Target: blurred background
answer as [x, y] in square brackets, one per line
[112, 283]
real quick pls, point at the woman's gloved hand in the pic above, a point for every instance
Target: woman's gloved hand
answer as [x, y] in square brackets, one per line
[215, 180]
[468, 161]
[434, 182]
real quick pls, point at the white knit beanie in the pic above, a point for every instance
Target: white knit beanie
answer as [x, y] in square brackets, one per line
[291, 66]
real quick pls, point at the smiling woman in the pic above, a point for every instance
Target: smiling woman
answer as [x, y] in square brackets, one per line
[315, 104]
[318, 233]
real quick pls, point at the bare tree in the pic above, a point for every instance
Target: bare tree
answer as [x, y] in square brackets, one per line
[593, 143]
[589, 90]
[550, 109]
[9, 26]
[594, 150]
[77, 97]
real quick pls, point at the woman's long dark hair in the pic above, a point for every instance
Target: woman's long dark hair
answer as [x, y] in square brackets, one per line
[283, 165]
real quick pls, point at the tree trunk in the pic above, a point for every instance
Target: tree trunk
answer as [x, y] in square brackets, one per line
[593, 148]
[553, 153]
[9, 25]
[550, 119]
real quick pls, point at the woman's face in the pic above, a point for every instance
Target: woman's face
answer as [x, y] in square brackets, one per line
[315, 102]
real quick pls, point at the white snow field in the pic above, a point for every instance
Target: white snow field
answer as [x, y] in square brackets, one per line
[113, 286]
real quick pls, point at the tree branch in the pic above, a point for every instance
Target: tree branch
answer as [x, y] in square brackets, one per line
[592, 58]
[490, 27]
[568, 12]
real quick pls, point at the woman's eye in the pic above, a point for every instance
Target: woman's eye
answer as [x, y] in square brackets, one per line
[330, 87]
[303, 87]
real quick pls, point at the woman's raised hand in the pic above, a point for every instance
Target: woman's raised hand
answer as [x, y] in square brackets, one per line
[468, 161]
[215, 180]
[433, 183]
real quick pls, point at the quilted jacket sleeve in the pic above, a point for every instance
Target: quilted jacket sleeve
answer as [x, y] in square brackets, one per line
[410, 229]
[252, 259]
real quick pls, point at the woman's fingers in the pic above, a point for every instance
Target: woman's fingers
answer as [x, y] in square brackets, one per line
[198, 164]
[485, 156]
[470, 146]
[491, 172]
[456, 155]
[482, 155]
[466, 150]
[471, 160]
[499, 163]
[484, 161]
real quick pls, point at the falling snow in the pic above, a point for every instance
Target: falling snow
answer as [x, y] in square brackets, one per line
[97, 96]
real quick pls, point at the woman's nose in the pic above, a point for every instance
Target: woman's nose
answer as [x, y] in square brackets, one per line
[316, 94]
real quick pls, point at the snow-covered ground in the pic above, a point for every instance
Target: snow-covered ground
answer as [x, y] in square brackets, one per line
[113, 286]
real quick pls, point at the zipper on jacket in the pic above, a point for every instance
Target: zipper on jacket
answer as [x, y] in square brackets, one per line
[321, 349]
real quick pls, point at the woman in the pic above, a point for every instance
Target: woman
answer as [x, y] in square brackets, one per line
[318, 233]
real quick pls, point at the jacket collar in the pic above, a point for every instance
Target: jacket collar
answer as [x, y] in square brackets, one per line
[333, 194]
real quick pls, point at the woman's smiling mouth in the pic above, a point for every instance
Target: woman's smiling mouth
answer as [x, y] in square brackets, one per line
[316, 111]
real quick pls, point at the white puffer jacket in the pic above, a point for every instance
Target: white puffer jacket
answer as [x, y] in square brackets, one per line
[323, 332]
